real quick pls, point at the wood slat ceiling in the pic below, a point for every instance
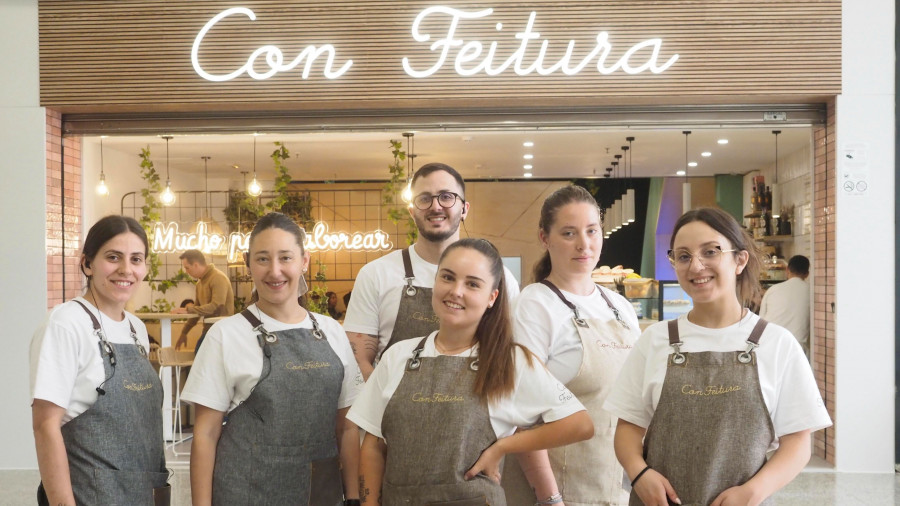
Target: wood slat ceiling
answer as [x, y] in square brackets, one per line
[135, 55]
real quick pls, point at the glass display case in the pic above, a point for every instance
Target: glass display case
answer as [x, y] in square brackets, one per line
[673, 301]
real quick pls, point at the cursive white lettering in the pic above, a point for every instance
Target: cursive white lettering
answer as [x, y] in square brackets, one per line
[274, 57]
[466, 59]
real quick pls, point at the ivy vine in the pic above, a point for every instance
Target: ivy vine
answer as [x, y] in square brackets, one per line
[389, 195]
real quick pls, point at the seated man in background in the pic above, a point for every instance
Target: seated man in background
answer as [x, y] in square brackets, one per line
[214, 296]
[787, 303]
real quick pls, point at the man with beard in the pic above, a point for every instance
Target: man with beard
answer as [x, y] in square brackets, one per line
[392, 295]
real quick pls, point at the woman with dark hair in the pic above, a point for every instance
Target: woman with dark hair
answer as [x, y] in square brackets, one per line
[583, 333]
[95, 398]
[703, 398]
[440, 412]
[272, 386]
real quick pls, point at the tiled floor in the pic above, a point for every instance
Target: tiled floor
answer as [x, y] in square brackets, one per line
[816, 486]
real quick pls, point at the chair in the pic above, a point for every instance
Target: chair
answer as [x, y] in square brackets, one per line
[175, 360]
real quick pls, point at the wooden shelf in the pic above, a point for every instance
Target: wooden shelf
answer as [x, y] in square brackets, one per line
[775, 238]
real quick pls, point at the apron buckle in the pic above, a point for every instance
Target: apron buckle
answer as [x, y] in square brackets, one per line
[473, 365]
[410, 289]
[678, 358]
[747, 356]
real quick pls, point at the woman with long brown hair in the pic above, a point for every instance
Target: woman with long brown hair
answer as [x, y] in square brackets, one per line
[441, 412]
[583, 334]
[703, 398]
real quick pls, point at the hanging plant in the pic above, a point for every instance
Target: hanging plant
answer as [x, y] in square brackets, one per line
[297, 205]
[389, 195]
[150, 215]
[242, 211]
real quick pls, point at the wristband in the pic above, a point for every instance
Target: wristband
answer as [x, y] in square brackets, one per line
[553, 499]
[351, 502]
[638, 477]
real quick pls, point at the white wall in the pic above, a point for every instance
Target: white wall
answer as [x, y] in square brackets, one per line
[23, 271]
[865, 244]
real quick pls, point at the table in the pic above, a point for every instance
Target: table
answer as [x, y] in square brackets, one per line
[165, 339]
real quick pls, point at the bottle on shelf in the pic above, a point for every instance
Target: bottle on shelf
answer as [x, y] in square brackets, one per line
[767, 218]
[754, 202]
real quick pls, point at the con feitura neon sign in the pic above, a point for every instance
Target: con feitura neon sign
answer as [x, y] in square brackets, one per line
[167, 239]
[467, 57]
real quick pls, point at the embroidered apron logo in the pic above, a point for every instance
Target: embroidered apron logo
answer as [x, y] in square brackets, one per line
[614, 345]
[136, 387]
[710, 390]
[418, 315]
[312, 364]
[437, 397]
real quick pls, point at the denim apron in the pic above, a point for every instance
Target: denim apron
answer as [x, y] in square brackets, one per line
[586, 472]
[435, 429]
[115, 448]
[278, 447]
[415, 316]
[711, 429]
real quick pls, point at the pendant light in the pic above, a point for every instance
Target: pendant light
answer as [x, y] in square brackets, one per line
[254, 189]
[102, 189]
[629, 210]
[205, 221]
[167, 197]
[406, 194]
[623, 221]
[686, 186]
[776, 191]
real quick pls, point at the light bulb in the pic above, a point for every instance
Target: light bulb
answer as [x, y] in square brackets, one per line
[254, 189]
[102, 189]
[167, 197]
[406, 194]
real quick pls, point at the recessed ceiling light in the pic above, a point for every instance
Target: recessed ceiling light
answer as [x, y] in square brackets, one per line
[723, 141]
[528, 157]
[527, 174]
[528, 144]
[679, 173]
[692, 164]
[706, 153]
[527, 167]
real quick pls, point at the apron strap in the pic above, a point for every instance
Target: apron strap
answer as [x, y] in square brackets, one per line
[413, 363]
[408, 272]
[673, 333]
[578, 319]
[757, 331]
[96, 323]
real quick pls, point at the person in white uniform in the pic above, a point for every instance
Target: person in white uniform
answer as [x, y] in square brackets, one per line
[392, 295]
[281, 379]
[583, 333]
[787, 303]
[95, 397]
[702, 399]
[440, 412]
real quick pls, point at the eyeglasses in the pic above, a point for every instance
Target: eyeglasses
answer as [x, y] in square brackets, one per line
[445, 199]
[709, 257]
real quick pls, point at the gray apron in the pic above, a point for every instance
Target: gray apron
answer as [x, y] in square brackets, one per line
[711, 429]
[415, 315]
[586, 472]
[435, 429]
[115, 448]
[278, 447]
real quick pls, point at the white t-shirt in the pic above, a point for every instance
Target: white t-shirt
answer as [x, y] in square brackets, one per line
[66, 366]
[788, 386]
[787, 304]
[537, 395]
[376, 293]
[229, 363]
[543, 323]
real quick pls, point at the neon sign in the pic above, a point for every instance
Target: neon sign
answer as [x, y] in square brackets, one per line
[470, 52]
[468, 57]
[274, 57]
[167, 239]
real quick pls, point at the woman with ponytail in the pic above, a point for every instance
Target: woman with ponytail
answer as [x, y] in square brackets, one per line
[441, 411]
[582, 333]
[95, 397]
